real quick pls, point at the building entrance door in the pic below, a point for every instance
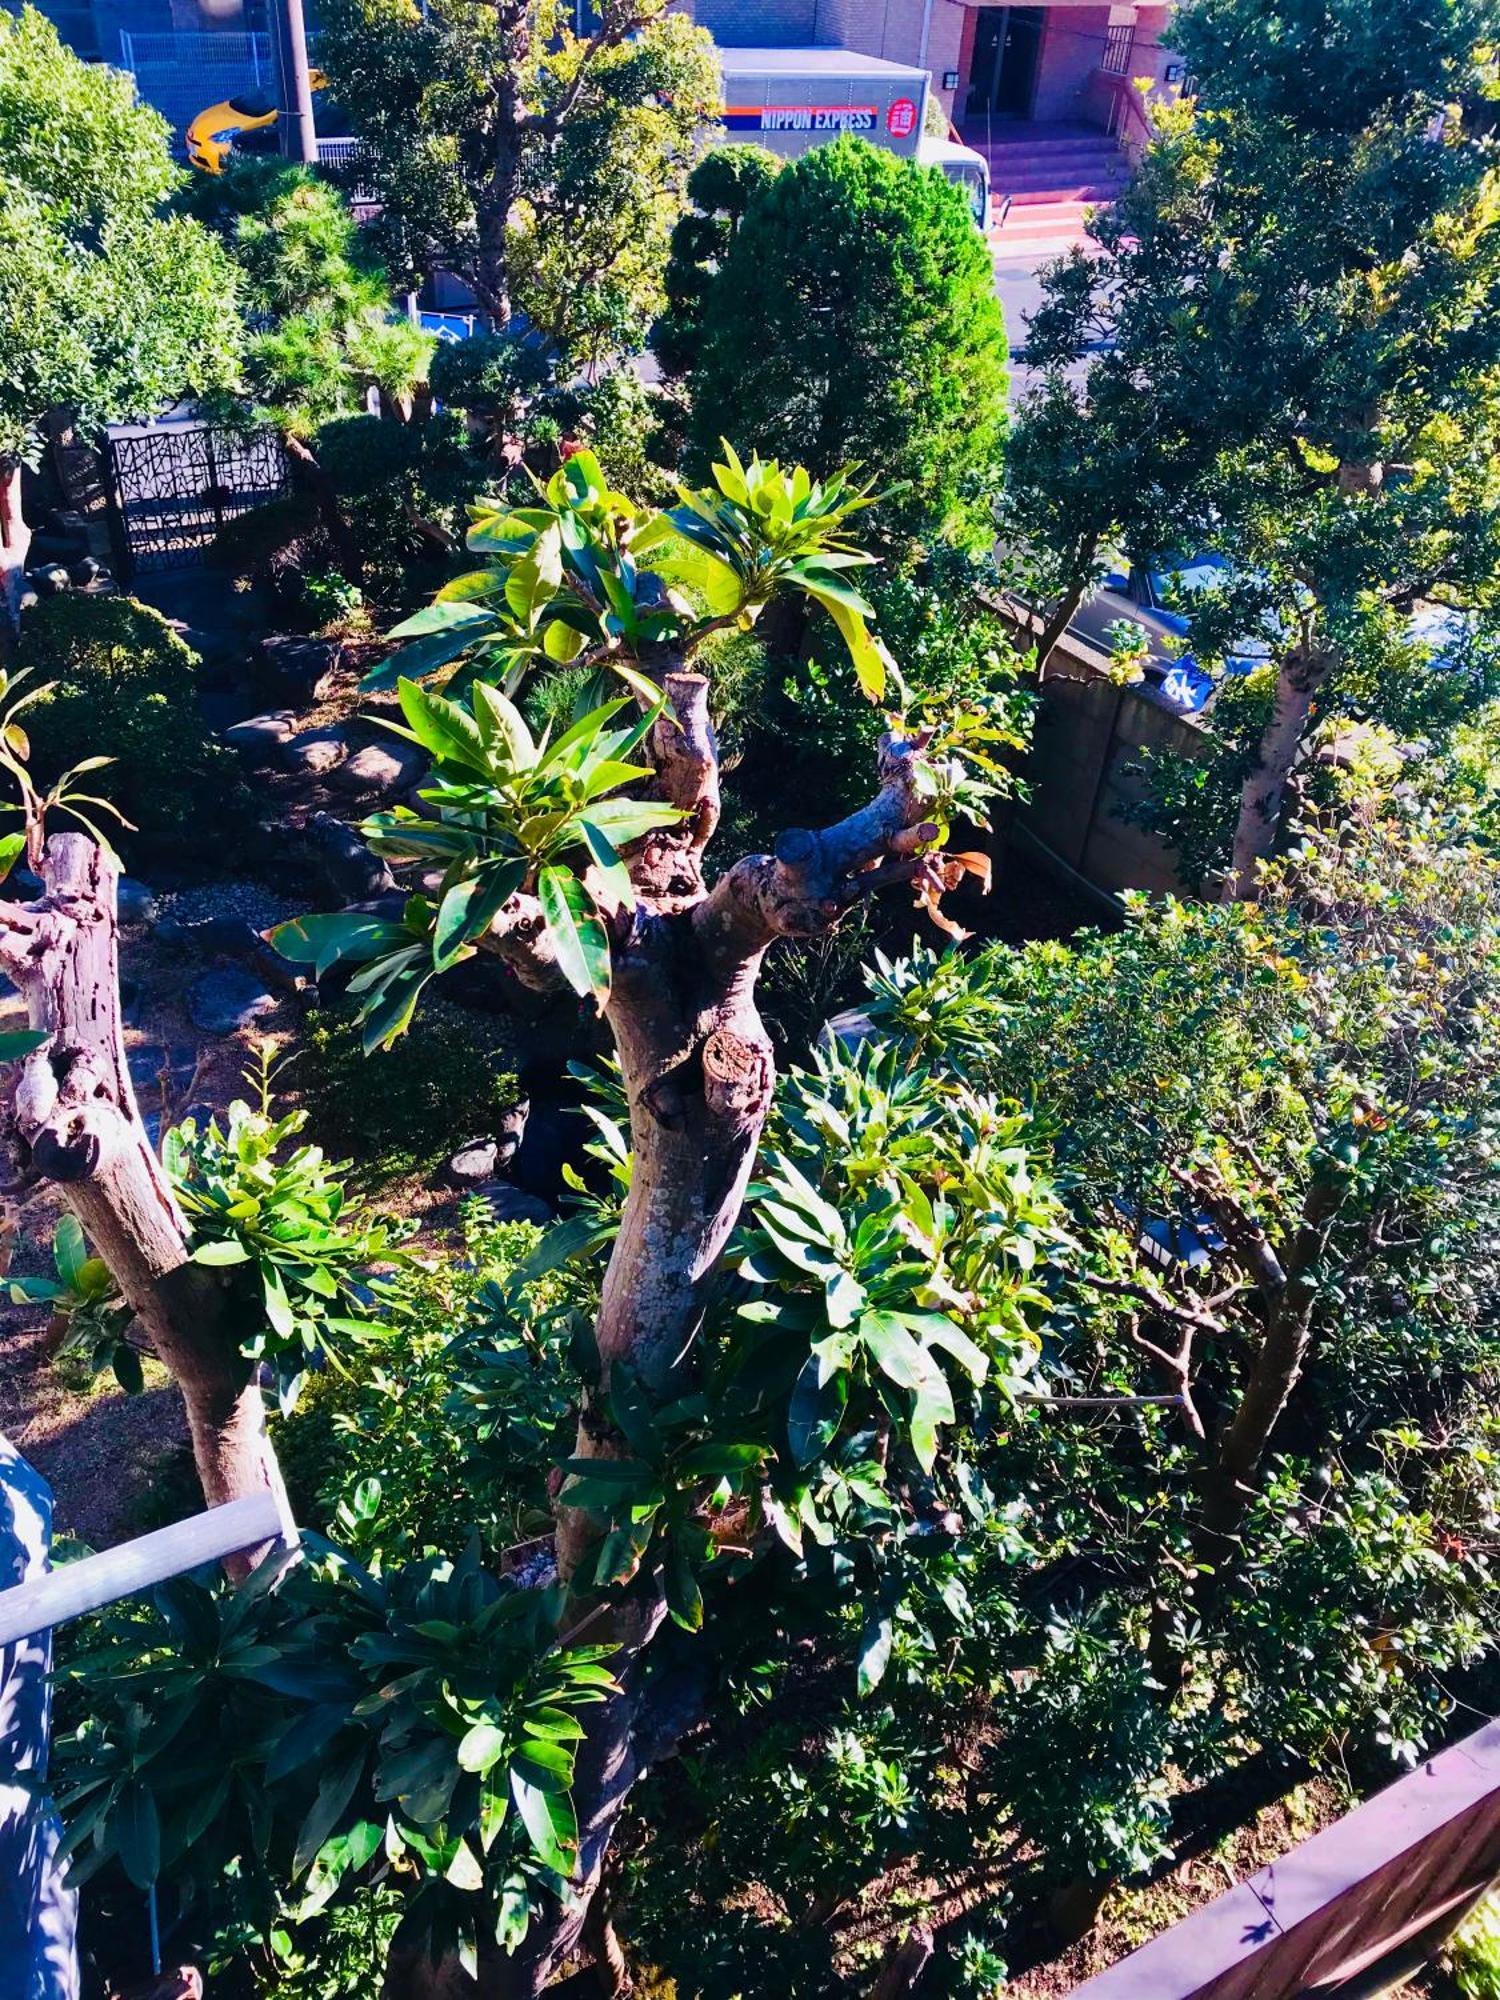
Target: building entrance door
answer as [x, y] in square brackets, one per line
[1002, 73]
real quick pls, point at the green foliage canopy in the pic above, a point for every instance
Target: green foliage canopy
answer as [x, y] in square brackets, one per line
[853, 318]
[106, 304]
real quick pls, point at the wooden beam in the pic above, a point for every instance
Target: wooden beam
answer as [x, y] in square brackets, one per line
[94, 1581]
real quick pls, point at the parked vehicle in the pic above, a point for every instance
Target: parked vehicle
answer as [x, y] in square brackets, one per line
[791, 99]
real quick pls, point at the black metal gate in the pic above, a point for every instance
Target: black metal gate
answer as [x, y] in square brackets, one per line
[172, 489]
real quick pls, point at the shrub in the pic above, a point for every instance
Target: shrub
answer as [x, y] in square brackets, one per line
[403, 1110]
[812, 348]
[491, 375]
[453, 1431]
[124, 686]
[403, 488]
[275, 548]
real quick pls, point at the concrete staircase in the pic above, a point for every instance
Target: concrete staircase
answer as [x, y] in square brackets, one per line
[1044, 179]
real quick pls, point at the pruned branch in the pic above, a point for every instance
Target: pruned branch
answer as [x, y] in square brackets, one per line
[806, 885]
[518, 936]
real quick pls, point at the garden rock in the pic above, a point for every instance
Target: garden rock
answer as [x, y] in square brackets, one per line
[513, 1204]
[51, 580]
[472, 1165]
[315, 751]
[381, 767]
[351, 871]
[134, 901]
[226, 999]
[261, 738]
[153, 1065]
[296, 669]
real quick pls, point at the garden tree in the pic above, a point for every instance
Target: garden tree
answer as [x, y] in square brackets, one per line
[551, 865]
[322, 329]
[107, 306]
[1285, 1179]
[1307, 275]
[720, 190]
[544, 167]
[71, 1121]
[811, 344]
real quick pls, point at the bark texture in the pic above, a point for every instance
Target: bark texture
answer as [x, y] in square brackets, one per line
[1263, 794]
[74, 1122]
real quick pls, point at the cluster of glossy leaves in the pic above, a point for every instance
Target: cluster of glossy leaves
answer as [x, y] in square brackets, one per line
[280, 1220]
[89, 1318]
[325, 1727]
[567, 582]
[512, 813]
[885, 1290]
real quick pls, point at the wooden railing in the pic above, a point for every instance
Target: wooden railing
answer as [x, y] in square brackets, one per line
[1349, 1912]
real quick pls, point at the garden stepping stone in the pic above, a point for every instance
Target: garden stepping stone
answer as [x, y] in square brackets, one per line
[260, 738]
[293, 668]
[226, 999]
[381, 767]
[134, 901]
[315, 751]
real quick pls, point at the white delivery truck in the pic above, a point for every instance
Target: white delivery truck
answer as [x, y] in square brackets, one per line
[789, 99]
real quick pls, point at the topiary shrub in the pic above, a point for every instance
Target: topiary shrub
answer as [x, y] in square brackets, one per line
[491, 375]
[403, 489]
[123, 685]
[403, 1110]
[275, 548]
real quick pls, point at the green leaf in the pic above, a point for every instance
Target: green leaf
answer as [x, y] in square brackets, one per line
[448, 731]
[464, 1871]
[898, 1357]
[578, 937]
[816, 1411]
[324, 940]
[70, 1251]
[482, 1747]
[228, 1250]
[500, 722]
[934, 1406]
[425, 656]
[614, 876]
[334, 1793]
[18, 1042]
[137, 1832]
[12, 847]
[874, 1651]
[549, 1823]
[561, 642]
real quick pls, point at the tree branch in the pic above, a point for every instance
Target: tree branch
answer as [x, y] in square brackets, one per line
[809, 882]
[518, 936]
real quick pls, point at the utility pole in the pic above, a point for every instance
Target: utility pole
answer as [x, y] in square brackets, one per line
[299, 137]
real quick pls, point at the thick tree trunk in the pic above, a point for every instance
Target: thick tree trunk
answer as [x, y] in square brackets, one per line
[491, 272]
[698, 1071]
[1264, 791]
[75, 1116]
[335, 524]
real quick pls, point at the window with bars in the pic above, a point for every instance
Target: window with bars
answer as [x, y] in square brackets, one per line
[1118, 43]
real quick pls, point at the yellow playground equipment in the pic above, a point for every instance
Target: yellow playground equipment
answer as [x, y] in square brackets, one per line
[211, 135]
